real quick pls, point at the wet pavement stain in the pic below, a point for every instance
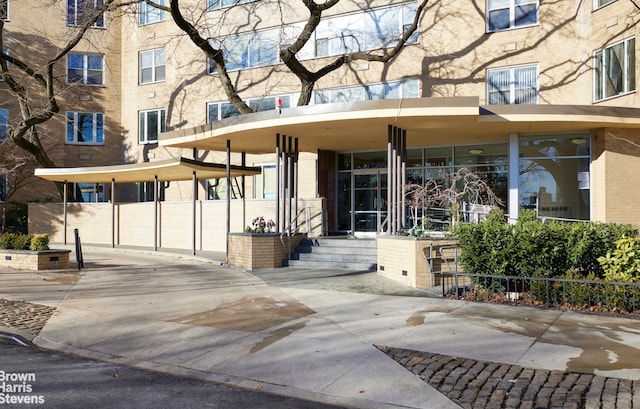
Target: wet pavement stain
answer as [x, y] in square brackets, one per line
[61, 278]
[602, 348]
[419, 317]
[251, 314]
[277, 335]
[415, 320]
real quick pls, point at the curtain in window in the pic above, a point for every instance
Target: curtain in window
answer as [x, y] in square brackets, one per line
[499, 83]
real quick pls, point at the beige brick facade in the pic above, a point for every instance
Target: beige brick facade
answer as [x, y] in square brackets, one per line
[450, 59]
[134, 222]
[35, 260]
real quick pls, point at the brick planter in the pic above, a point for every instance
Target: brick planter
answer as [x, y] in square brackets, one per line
[35, 260]
[413, 261]
[256, 251]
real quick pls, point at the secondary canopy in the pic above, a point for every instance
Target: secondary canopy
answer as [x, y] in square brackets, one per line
[166, 170]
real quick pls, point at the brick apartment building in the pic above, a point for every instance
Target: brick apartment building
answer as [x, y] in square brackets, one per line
[539, 98]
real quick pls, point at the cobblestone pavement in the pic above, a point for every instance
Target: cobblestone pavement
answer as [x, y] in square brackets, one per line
[479, 385]
[24, 315]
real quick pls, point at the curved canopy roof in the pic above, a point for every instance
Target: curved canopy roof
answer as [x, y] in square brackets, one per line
[363, 125]
[165, 170]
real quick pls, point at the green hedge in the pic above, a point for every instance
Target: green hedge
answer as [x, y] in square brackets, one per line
[13, 241]
[530, 248]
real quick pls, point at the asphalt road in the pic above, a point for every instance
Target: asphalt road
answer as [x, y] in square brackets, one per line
[53, 380]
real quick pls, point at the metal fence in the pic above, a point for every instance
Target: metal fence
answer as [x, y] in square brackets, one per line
[581, 294]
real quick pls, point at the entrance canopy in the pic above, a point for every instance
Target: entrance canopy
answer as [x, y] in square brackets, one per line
[165, 170]
[362, 125]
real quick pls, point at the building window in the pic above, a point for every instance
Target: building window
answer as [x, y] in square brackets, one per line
[220, 110]
[506, 14]
[152, 122]
[4, 9]
[150, 14]
[4, 182]
[6, 52]
[146, 192]
[513, 85]
[554, 175]
[601, 3]
[89, 192]
[218, 4]
[85, 128]
[374, 29]
[615, 69]
[152, 66]
[85, 69]
[379, 28]
[80, 11]
[387, 90]
[4, 124]
[265, 183]
[249, 50]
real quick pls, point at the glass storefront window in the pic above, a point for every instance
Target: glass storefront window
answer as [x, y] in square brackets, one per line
[554, 175]
[370, 160]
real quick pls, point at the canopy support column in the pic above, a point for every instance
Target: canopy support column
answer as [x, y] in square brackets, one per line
[389, 177]
[295, 180]
[194, 195]
[278, 182]
[64, 211]
[289, 187]
[228, 199]
[156, 189]
[113, 213]
[244, 193]
[403, 178]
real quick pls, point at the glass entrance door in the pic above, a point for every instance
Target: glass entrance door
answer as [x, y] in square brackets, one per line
[369, 202]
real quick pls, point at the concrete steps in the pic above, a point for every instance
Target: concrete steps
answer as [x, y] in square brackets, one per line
[344, 253]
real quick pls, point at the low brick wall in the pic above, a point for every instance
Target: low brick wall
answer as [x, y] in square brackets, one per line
[256, 251]
[412, 261]
[35, 260]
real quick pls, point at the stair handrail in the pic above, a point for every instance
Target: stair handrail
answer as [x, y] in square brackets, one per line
[288, 231]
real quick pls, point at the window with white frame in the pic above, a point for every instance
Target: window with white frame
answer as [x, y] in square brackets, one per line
[220, 110]
[513, 85]
[601, 3]
[152, 66]
[89, 192]
[146, 191]
[4, 124]
[4, 9]
[80, 11]
[374, 29]
[85, 69]
[150, 14]
[4, 182]
[151, 123]
[85, 128]
[615, 69]
[218, 4]
[506, 14]
[387, 90]
[6, 52]
[265, 183]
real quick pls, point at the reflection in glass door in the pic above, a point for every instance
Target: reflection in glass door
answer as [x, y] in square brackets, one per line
[369, 201]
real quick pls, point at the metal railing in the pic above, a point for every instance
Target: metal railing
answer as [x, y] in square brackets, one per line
[295, 227]
[582, 294]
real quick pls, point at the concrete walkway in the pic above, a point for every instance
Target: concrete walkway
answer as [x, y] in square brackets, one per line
[310, 334]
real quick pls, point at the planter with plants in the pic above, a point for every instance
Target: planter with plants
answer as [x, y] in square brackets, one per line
[31, 252]
[259, 247]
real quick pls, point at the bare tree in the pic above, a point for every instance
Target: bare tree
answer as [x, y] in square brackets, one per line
[35, 90]
[289, 53]
[451, 192]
